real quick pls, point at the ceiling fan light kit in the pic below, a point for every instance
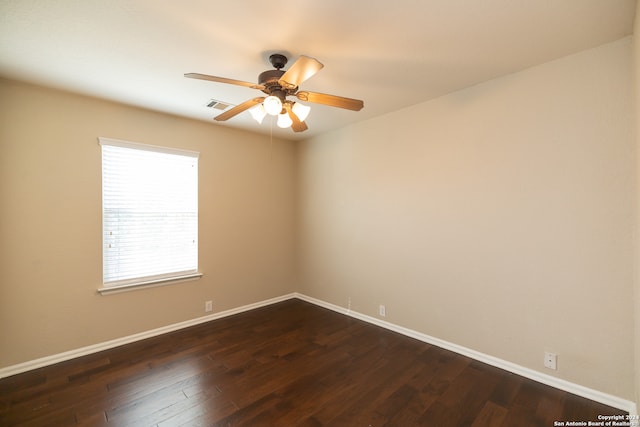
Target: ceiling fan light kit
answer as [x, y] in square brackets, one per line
[277, 85]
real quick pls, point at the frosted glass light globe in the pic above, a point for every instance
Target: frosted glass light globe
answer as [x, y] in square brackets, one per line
[272, 105]
[300, 110]
[284, 121]
[258, 112]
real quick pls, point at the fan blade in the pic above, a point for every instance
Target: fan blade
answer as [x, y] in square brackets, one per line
[331, 100]
[301, 70]
[297, 126]
[223, 80]
[238, 109]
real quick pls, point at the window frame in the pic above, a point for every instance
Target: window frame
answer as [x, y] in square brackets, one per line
[147, 281]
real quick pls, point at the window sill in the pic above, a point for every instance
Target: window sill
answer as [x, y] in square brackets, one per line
[108, 290]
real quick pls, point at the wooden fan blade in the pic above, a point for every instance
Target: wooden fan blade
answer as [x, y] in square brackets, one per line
[301, 70]
[297, 126]
[238, 109]
[223, 80]
[332, 100]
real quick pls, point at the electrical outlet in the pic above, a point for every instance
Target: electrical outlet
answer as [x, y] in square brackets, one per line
[551, 360]
[382, 310]
[208, 306]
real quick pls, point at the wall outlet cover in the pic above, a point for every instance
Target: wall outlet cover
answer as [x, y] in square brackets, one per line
[551, 360]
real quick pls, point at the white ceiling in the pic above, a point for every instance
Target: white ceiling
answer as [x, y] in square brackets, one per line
[389, 54]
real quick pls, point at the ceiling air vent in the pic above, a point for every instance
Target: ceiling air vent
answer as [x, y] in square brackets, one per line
[218, 105]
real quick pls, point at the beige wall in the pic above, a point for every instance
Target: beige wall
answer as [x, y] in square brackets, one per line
[498, 218]
[50, 221]
[636, 74]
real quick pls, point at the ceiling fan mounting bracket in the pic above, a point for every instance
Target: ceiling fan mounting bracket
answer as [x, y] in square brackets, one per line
[278, 61]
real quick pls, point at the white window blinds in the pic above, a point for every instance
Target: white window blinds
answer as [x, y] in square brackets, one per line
[149, 212]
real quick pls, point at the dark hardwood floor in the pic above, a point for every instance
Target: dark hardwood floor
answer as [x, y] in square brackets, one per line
[289, 364]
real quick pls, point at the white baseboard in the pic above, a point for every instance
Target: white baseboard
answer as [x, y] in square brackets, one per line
[558, 383]
[72, 354]
[595, 395]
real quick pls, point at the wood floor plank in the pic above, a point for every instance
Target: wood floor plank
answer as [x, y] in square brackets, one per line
[550, 406]
[491, 415]
[208, 410]
[288, 364]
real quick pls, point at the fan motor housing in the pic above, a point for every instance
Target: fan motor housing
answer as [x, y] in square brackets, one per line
[270, 77]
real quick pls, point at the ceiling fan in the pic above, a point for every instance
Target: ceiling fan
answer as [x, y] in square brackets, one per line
[278, 85]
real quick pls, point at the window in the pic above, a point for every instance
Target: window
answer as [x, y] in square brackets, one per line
[149, 215]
